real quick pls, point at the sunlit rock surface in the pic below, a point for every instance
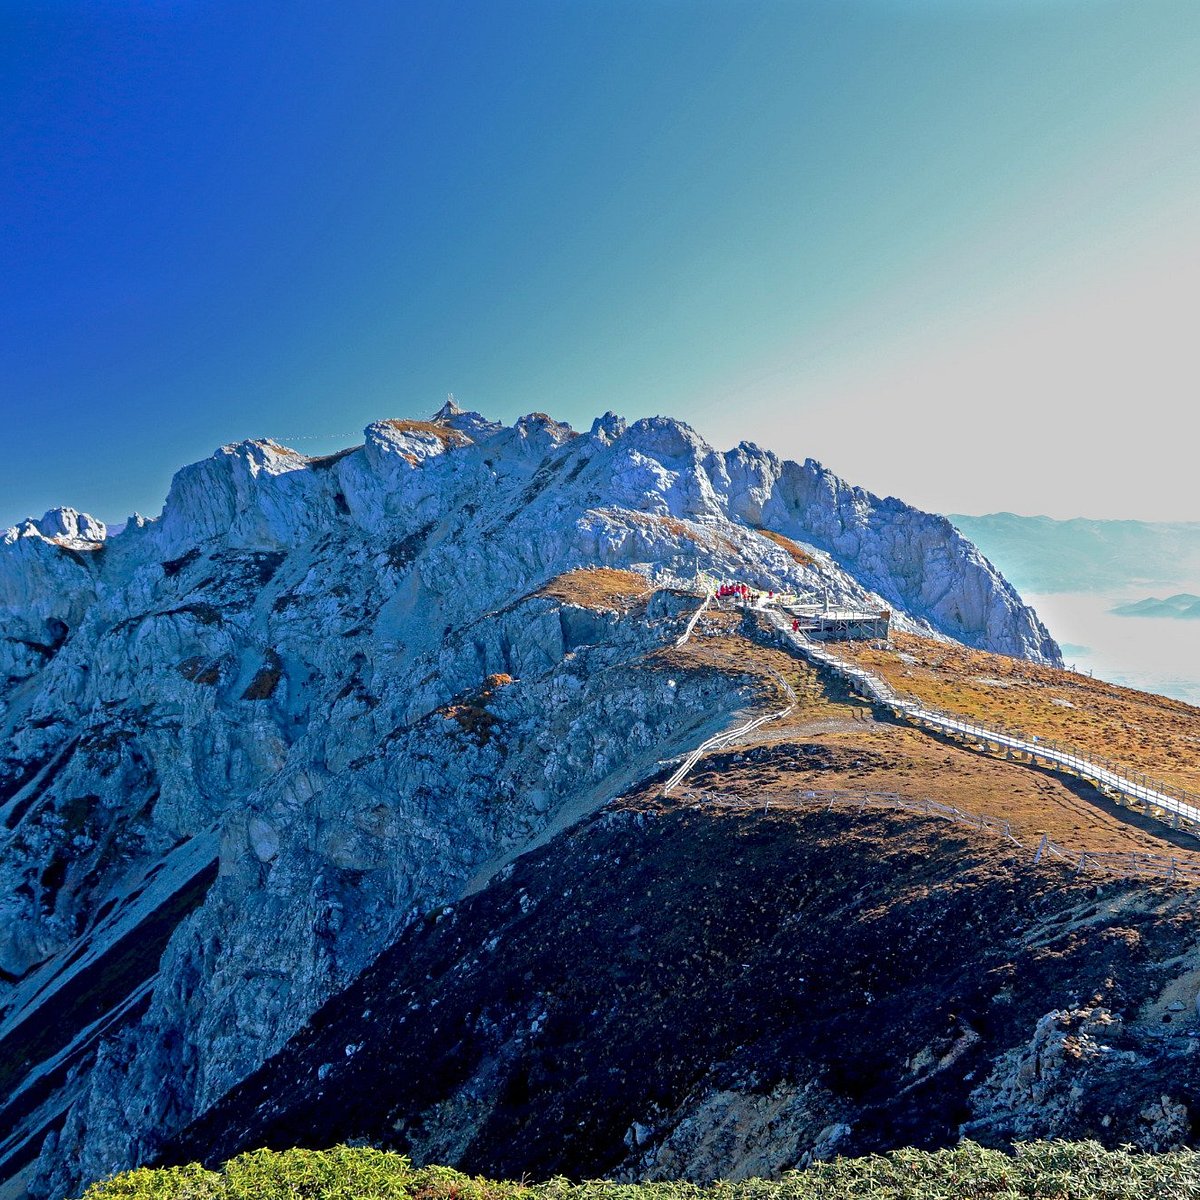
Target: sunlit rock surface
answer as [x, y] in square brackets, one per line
[248, 743]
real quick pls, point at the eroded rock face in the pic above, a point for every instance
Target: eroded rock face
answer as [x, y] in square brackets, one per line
[1083, 1073]
[249, 742]
[741, 1135]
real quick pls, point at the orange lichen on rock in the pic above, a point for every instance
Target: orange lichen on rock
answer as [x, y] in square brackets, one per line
[798, 554]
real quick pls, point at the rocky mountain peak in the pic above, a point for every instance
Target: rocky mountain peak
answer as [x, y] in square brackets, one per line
[608, 428]
[249, 742]
[64, 527]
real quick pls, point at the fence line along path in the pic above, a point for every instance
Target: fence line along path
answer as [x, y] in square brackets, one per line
[721, 740]
[1126, 865]
[687, 633]
[1175, 807]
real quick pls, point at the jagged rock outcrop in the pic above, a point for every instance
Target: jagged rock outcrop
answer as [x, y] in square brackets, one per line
[1083, 1072]
[249, 742]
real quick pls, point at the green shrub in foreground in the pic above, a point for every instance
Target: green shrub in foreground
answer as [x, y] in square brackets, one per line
[1038, 1171]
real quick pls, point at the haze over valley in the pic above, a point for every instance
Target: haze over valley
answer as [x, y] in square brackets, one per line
[1092, 582]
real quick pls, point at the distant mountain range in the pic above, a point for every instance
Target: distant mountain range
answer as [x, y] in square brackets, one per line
[1184, 604]
[1040, 554]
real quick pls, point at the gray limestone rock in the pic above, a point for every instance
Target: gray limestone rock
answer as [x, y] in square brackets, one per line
[248, 742]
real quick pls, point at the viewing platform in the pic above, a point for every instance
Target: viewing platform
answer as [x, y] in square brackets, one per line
[824, 623]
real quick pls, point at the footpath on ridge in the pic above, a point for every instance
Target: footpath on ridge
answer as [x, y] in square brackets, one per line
[1176, 808]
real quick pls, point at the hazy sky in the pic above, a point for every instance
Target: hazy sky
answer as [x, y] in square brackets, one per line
[952, 249]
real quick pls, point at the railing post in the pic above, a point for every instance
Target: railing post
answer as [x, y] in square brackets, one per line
[1041, 847]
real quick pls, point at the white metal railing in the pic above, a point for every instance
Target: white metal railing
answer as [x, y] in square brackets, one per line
[721, 740]
[1175, 806]
[687, 633]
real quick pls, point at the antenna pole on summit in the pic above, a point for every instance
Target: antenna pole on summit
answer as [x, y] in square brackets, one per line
[449, 409]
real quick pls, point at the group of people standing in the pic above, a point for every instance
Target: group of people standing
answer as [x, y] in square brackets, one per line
[738, 591]
[741, 593]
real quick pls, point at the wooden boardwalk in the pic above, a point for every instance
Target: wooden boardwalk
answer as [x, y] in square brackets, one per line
[1177, 808]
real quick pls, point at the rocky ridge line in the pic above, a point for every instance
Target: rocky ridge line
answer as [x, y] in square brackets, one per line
[333, 683]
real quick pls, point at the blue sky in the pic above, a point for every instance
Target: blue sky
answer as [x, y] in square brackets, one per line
[950, 248]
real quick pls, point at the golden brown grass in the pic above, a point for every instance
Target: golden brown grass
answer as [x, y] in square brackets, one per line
[472, 713]
[322, 462]
[1136, 731]
[717, 646]
[446, 435]
[832, 740]
[798, 555]
[672, 525]
[865, 755]
[597, 588]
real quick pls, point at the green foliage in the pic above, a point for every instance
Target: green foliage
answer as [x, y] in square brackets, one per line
[1038, 1171]
[192, 1182]
[444, 1183]
[338, 1174]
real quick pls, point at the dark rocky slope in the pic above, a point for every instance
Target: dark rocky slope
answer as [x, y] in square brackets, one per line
[671, 989]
